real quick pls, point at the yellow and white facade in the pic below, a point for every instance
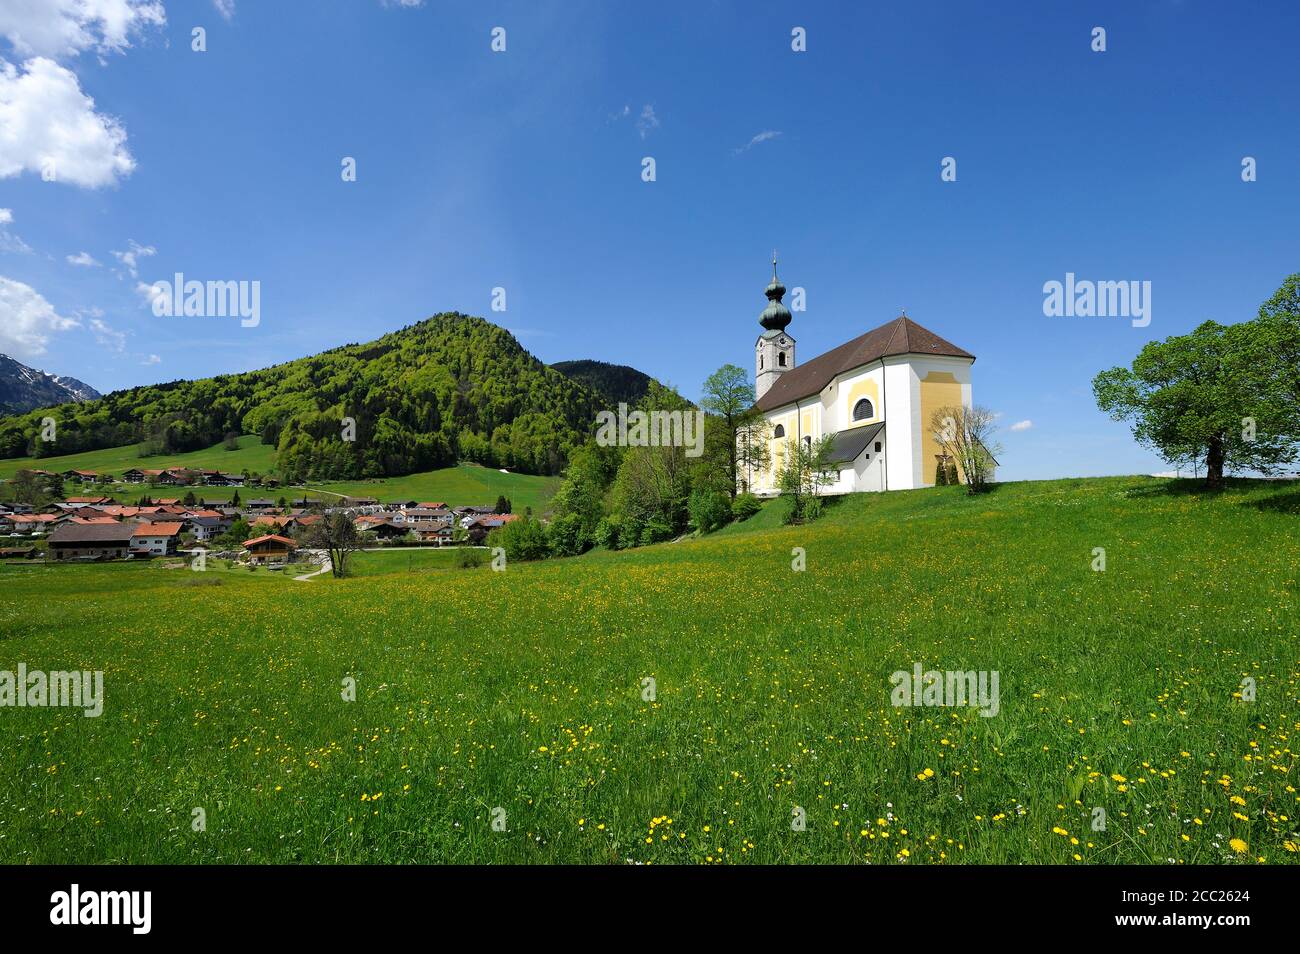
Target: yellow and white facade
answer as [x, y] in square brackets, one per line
[876, 394]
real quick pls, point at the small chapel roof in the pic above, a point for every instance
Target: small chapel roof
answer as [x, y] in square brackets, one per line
[900, 336]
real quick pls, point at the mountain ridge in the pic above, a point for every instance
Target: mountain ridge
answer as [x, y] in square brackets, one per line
[451, 387]
[24, 388]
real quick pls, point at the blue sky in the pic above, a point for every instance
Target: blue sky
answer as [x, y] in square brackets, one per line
[522, 169]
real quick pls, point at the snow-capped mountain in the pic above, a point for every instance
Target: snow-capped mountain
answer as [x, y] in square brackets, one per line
[23, 388]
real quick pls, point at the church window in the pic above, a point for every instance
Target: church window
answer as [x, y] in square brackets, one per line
[807, 443]
[877, 447]
[760, 362]
[780, 359]
[862, 411]
[780, 431]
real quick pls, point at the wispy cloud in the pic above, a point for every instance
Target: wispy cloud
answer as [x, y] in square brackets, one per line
[10, 242]
[647, 122]
[226, 8]
[765, 136]
[107, 336]
[131, 257]
[84, 259]
[1022, 425]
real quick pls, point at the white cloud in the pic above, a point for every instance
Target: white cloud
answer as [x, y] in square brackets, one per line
[84, 259]
[6, 216]
[226, 8]
[48, 124]
[67, 27]
[27, 320]
[1022, 425]
[131, 257]
[152, 359]
[764, 136]
[647, 121]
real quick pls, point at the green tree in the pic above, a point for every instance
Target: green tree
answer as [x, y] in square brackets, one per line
[805, 470]
[729, 394]
[1227, 395]
[25, 488]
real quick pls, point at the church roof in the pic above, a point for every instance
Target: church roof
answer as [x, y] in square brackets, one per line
[900, 336]
[849, 443]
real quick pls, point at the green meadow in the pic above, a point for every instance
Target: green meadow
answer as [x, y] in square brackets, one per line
[692, 702]
[464, 484]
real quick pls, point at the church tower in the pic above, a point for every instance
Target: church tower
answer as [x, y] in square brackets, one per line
[774, 352]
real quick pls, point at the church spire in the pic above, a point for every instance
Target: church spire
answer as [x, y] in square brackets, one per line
[775, 316]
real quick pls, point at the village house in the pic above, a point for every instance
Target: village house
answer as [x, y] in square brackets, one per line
[380, 526]
[155, 539]
[84, 476]
[437, 532]
[87, 501]
[30, 522]
[275, 523]
[206, 524]
[271, 548]
[98, 541]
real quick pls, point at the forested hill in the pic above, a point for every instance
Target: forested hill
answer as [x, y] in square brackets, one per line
[614, 382]
[452, 387]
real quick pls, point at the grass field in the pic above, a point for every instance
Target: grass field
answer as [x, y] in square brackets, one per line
[403, 560]
[519, 696]
[252, 455]
[462, 485]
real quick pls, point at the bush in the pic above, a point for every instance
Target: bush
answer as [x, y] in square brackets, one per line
[522, 539]
[655, 531]
[467, 558]
[565, 536]
[709, 509]
[745, 506]
[607, 533]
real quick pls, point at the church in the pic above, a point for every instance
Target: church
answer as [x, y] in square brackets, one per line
[875, 394]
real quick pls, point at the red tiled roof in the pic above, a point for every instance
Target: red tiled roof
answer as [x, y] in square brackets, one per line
[162, 528]
[898, 337]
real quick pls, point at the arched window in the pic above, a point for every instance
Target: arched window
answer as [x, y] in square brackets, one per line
[863, 411]
[760, 362]
[807, 443]
[780, 358]
[780, 431]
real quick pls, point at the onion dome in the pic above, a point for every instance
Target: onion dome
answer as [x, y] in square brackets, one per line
[775, 316]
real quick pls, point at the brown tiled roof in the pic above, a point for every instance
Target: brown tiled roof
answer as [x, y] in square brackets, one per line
[900, 336]
[74, 533]
[269, 536]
